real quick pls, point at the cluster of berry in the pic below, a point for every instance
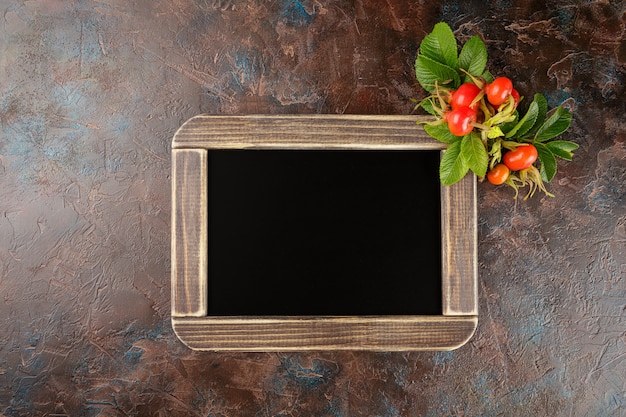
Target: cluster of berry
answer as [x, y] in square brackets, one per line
[479, 117]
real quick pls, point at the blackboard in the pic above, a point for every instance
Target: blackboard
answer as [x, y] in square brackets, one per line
[323, 232]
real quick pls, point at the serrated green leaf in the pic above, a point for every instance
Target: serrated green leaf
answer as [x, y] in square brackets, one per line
[474, 152]
[526, 122]
[441, 133]
[562, 148]
[452, 166]
[554, 125]
[428, 71]
[473, 57]
[542, 107]
[440, 45]
[548, 162]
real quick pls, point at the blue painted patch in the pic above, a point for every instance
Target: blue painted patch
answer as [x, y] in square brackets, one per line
[390, 410]
[73, 98]
[120, 123]
[609, 79]
[21, 140]
[449, 11]
[442, 358]
[90, 49]
[58, 150]
[505, 4]
[247, 69]
[78, 43]
[247, 66]
[159, 332]
[566, 17]
[92, 410]
[140, 332]
[295, 13]
[444, 401]
[23, 133]
[483, 383]
[334, 407]
[401, 377]
[523, 395]
[133, 354]
[310, 377]
[22, 397]
[32, 338]
[38, 364]
[556, 97]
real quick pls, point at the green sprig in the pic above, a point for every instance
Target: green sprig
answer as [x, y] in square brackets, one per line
[440, 69]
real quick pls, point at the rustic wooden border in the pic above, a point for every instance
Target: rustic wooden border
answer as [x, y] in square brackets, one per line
[376, 333]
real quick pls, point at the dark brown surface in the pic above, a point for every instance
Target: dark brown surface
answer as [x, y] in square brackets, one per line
[91, 94]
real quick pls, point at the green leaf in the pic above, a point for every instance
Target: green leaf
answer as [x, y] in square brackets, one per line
[555, 125]
[526, 123]
[541, 114]
[487, 76]
[428, 106]
[548, 162]
[428, 71]
[473, 57]
[562, 148]
[453, 166]
[440, 45]
[441, 133]
[474, 152]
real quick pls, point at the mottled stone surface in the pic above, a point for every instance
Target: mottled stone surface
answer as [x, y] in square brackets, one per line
[91, 93]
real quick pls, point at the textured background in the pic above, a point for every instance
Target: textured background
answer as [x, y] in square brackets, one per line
[91, 93]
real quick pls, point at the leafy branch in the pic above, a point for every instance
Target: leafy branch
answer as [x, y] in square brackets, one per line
[479, 140]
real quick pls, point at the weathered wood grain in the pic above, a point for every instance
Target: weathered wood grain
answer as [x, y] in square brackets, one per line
[304, 132]
[189, 232]
[391, 333]
[459, 248]
[190, 145]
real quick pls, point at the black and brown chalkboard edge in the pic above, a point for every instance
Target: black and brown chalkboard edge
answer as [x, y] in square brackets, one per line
[190, 146]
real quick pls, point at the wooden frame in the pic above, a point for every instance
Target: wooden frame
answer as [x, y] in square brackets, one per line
[375, 333]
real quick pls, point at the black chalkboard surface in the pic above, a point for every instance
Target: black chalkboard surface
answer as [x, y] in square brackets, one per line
[323, 232]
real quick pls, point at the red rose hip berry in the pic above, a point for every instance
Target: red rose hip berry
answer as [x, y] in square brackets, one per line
[516, 96]
[498, 91]
[498, 174]
[464, 95]
[460, 120]
[521, 158]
